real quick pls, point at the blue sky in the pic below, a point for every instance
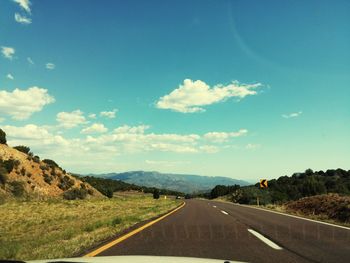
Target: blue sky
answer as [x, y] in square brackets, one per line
[244, 89]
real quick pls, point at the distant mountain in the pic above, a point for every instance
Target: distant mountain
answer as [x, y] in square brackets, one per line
[185, 183]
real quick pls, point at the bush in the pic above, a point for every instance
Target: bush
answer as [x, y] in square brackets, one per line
[44, 167]
[75, 193]
[22, 148]
[66, 183]
[9, 165]
[47, 178]
[50, 163]
[36, 159]
[108, 193]
[3, 175]
[17, 188]
[2, 137]
[23, 171]
[156, 194]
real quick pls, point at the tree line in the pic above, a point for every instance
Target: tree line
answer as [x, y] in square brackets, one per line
[108, 186]
[287, 188]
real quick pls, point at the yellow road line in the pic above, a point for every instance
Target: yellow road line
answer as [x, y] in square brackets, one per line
[126, 236]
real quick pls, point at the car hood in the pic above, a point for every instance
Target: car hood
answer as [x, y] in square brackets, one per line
[135, 259]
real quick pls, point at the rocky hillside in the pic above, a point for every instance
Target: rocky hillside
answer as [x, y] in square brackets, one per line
[25, 175]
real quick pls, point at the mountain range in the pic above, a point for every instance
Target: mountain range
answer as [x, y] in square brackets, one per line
[185, 183]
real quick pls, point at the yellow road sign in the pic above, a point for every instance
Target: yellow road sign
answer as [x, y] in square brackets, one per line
[263, 183]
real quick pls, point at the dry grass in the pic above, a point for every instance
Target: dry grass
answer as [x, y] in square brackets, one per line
[59, 228]
[330, 208]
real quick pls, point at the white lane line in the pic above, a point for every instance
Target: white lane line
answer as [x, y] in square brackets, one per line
[225, 213]
[298, 217]
[265, 240]
[214, 206]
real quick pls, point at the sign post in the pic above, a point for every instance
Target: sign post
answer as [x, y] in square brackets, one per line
[263, 185]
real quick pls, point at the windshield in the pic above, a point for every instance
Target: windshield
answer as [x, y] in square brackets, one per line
[209, 130]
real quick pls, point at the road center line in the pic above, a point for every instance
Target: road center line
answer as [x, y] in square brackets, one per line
[265, 240]
[224, 212]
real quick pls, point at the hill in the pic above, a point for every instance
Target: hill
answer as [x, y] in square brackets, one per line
[25, 175]
[290, 188]
[177, 182]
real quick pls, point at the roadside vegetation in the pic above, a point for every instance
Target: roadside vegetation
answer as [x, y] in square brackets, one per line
[61, 228]
[317, 195]
[288, 188]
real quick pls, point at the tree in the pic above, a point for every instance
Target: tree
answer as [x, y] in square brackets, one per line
[2, 137]
[156, 194]
[22, 148]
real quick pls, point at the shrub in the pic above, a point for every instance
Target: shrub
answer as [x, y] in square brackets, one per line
[66, 183]
[8, 165]
[47, 178]
[22, 148]
[50, 163]
[116, 221]
[90, 192]
[44, 167]
[156, 194]
[75, 193]
[3, 175]
[23, 171]
[17, 188]
[36, 159]
[2, 137]
[109, 193]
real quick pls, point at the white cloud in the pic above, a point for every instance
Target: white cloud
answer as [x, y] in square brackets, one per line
[192, 95]
[292, 115]
[92, 116]
[209, 149]
[223, 136]
[127, 129]
[30, 61]
[108, 114]
[50, 66]
[251, 146]
[25, 4]
[94, 128]
[22, 19]
[104, 151]
[70, 120]
[21, 104]
[8, 52]
[9, 76]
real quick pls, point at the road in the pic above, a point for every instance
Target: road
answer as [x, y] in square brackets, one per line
[218, 230]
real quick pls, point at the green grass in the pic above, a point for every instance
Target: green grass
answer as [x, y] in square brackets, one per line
[61, 228]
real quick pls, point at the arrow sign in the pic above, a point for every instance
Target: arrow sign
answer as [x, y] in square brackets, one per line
[263, 183]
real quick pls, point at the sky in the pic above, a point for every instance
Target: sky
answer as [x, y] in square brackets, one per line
[243, 89]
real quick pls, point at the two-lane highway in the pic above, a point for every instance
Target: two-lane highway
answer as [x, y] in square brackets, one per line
[208, 229]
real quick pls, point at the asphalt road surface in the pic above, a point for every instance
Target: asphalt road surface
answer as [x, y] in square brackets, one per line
[208, 229]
